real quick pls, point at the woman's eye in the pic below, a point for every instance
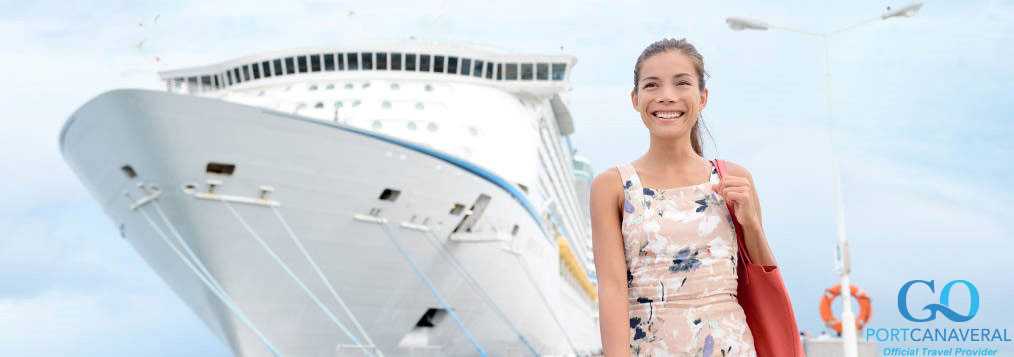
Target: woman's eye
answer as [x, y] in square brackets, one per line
[684, 83]
[649, 85]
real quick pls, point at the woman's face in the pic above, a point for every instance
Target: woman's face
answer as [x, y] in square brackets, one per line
[667, 95]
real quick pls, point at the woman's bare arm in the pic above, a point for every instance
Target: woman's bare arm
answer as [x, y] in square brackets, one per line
[610, 264]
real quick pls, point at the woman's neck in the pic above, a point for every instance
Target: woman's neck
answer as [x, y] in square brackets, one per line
[667, 155]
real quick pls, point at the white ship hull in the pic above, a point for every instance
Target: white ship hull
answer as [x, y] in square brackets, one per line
[326, 180]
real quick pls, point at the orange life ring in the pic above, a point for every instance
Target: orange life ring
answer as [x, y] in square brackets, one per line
[830, 294]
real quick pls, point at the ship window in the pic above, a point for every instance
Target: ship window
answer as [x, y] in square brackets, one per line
[367, 58]
[410, 62]
[366, 85]
[489, 70]
[438, 64]
[389, 195]
[228, 77]
[206, 81]
[129, 171]
[329, 62]
[338, 104]
[220, 168]
[278, 66]
[542, 71]
[499, 71]
[386, 104]
[302, 64]
[477, 68]
[256, 70]
[330, 86]
[419, 106]
[411, 125]
[431, 126]
[246, 72]
[217, 85]
[313, 87]
[341, 61]
[395, 86]
[512, 71]
[428, 87]
[396, 61]
[381, 60]
[319, 105]
[424, 63]
[452, 65]
[356, 103]
[526, 71]
[466, 66]
[266, 66]
[348, 85]
[377, 125]
[559, 71]
[235, 75]
[353, 61]
[290, 65]
[315, 63]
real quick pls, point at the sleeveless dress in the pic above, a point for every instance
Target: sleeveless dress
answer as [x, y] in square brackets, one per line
[681, 254]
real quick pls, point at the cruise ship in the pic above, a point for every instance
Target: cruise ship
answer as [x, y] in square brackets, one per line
[391, 199]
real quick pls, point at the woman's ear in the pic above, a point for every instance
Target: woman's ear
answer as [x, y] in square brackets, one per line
[633, 99]
[704, 98]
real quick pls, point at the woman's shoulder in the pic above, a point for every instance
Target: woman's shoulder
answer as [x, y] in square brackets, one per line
[737, 170]
[607, 184]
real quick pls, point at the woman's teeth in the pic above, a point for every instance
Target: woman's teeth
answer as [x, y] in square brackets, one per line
[668, 115]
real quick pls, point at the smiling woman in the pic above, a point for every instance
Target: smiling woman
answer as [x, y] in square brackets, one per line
[665, 246]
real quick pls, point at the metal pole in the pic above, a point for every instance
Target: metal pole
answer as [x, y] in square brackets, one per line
[848, 319]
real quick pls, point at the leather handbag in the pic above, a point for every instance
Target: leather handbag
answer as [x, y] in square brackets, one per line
[761, 292]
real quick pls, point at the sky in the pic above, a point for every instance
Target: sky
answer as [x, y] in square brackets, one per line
[921, 108]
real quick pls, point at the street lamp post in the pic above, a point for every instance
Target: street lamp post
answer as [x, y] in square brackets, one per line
[842, 258]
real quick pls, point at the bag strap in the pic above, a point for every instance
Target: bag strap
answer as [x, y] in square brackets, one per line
[743, 256]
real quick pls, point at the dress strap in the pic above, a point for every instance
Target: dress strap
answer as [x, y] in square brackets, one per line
[629, 176]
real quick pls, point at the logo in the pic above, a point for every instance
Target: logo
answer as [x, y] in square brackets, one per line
[943, 307]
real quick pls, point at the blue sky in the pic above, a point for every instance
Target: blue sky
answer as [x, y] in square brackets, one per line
[921, 104]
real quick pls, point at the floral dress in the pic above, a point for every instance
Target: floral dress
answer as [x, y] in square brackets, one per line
[680, 249]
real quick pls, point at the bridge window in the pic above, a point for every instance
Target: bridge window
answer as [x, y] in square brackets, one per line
[353, 61]
[266, 66]
[329, 62]
[512, 71]
[396, 61]
[256, 70]
[499, 71]
[290, 65]
[559, 70]
[542, 71]
[477, 69]
[489, 70]
[302, 64]
[410, 62]
[205, 81]
[246, 72]
[277, 64]
[341, 61]
[424, 63]
[466, 66]
[315, 63]
[367, 61]
[526, 71]
[235, 75]
[228, 77]
[217, 85]
[438, 64]
[381, 60]
[452, 65]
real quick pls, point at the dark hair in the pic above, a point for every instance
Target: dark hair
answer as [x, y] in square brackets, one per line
[684, 47]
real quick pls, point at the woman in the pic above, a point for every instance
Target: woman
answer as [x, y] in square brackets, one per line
[664, 243]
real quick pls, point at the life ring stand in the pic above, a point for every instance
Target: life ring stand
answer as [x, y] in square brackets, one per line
[865, 310]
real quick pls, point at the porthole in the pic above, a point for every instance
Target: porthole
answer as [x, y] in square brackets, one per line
[366, 85]
[348, 86]
[330, 86]
[429, 87]
[431, 126]
[313, 87]
[356, 103]
[395, 86]
[377, 125]
[319, 105]
[419, 106]
[386, 105]
[338, 104]
[411, 125]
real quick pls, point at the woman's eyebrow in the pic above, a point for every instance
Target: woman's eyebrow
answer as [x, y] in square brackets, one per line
[653, 78]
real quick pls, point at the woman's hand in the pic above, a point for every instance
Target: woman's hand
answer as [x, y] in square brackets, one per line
[738, 190]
